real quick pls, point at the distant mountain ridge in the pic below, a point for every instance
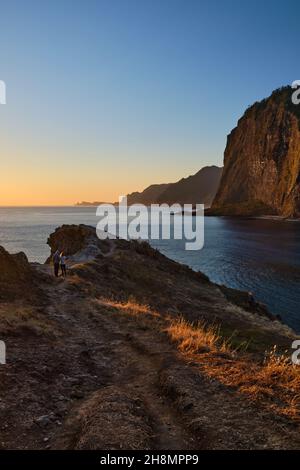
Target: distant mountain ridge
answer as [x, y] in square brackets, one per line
[150, 195]
[199, 188]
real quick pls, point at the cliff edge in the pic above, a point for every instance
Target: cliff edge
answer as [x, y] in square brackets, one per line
[261, 173]
[135, 351]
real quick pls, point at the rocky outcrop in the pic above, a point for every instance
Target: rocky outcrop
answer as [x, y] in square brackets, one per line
[70, 238]
[79, 243]
[262, 161]
[16, 276]
[13, 268]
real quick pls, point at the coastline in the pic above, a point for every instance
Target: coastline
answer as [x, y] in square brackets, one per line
[83, 249]
[217, 230]
[277, 218]
[131, 340]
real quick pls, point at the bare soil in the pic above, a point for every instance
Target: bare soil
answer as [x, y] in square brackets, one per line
[88, 374]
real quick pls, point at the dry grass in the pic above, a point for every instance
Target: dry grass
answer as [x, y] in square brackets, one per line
[131, 306]
[117, 411]
[197, 338]
[275, 383]
[15, 317]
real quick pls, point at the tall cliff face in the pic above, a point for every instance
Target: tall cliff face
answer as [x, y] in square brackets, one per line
[262, 160]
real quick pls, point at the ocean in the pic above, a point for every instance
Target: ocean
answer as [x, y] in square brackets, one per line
[257, 255]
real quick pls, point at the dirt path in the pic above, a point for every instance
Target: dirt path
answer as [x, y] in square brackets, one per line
[140, 375]
[111, 380]
[185, 410]
[121, 347]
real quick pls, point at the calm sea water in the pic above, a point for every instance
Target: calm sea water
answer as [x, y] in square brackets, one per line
[260, 256]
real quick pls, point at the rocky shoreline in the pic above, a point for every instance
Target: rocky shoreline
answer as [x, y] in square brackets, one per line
[80, 243]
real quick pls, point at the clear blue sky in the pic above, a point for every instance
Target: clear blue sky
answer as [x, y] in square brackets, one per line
[108, 96]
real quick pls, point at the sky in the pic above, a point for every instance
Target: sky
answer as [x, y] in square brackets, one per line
[105, 97]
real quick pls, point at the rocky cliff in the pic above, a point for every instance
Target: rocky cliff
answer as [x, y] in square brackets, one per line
[262, 161]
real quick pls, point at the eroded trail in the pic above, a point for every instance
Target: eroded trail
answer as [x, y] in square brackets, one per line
[178, 408]
[85, 372]
[130, 358]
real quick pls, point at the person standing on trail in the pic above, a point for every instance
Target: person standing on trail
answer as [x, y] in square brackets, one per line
[56, 261]
[63, 260]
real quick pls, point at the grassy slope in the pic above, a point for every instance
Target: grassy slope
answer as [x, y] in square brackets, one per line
[136, 342]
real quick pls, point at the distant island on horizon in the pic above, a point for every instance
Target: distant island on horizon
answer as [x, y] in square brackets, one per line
[94, 203]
